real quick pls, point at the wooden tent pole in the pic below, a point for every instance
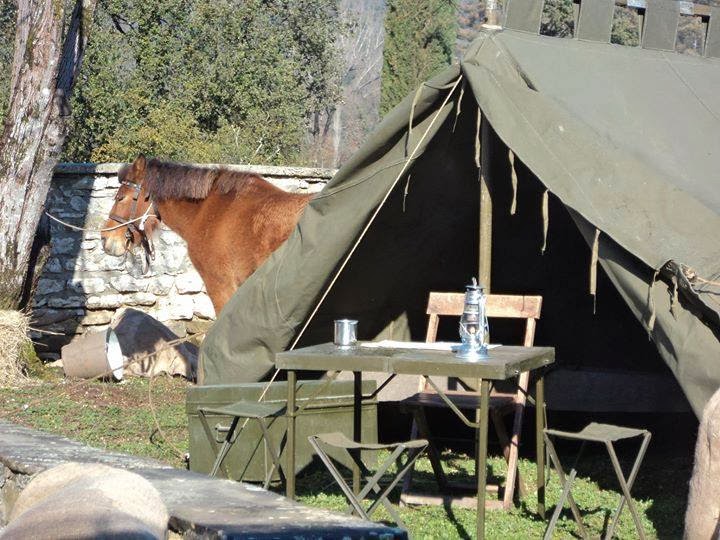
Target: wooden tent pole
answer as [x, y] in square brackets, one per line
[485, 247]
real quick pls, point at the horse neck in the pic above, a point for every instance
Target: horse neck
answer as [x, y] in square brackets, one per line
[178, 214]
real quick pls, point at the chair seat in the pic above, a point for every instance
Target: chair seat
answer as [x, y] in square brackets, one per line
[340, 440]
[599, 433]
[248, 409]
[463, 400]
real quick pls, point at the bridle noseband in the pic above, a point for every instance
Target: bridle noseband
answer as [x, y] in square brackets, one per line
[137, 225]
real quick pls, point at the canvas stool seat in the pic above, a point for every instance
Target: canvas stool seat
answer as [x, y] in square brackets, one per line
[412, 450]
[606, 434]
[257, 411]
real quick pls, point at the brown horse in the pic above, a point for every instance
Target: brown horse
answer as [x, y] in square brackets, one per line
[231, 221]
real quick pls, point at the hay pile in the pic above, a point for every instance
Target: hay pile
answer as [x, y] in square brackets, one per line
[14, 345]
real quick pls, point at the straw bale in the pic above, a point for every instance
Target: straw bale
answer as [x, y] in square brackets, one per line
[14, 342]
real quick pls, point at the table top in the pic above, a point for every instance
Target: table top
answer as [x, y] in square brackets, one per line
[502, 363]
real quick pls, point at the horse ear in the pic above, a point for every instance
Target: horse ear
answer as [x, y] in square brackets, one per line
[140, 163]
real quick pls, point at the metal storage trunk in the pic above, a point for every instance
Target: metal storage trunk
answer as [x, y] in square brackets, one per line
[331, 411]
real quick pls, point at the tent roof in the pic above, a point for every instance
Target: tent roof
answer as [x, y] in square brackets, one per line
[626, 138]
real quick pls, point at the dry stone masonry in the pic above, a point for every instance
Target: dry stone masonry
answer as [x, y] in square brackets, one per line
[81, 287]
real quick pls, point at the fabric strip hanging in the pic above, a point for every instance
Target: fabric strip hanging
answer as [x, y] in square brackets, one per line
[593, 267]
[546, 220]
[477, 138]
[513, 180]
[457, 109]
[650, 323]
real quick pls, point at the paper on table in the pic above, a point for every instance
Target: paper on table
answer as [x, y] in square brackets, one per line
[436, 346]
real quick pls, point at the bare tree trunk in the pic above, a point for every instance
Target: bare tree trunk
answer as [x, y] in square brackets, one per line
[45, 66]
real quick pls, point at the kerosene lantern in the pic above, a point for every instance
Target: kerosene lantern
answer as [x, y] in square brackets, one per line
[473, 324]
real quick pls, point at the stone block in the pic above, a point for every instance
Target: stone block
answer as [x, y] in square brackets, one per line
[106, 301]
[66, 301]
[189, 282]
[196, 326]
[63, 245]
[140, 299]
[178, 328]
[161, 284]
[79, 204]
[100, 183]
[87, 285]
[203, 307]
[95, 317]
[49, 286]
[46, 316]
[53, 265]
[161, 313]
[126, 283]
[100, 206]
[170, 238]
[173, 262]
[89, 244]
[178, 307]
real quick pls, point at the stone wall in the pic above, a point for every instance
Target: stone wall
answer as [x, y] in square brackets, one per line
[81, 287]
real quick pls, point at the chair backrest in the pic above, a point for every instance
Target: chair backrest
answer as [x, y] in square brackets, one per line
[497, 306]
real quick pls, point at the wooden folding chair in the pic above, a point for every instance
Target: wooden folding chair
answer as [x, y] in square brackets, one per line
[501, 404]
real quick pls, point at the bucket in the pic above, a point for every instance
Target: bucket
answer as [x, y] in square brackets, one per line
[92, 355]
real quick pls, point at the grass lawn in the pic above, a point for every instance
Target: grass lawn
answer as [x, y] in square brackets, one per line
[118, 417]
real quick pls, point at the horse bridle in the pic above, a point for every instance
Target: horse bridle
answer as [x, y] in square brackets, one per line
[137, 225]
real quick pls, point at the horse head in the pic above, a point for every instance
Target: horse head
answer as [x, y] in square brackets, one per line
[133, 218]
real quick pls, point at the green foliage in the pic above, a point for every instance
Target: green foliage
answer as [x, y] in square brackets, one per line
[204, 81]
[7, 40]
[419, 40]
[557, 18]
[625, 28]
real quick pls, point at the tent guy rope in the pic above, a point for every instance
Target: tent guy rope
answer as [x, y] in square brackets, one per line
[350, 253]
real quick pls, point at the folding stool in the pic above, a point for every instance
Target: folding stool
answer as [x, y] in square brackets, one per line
[249, 410]
[606, 434]
[337, 440]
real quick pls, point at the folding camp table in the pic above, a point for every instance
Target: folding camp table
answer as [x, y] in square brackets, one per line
[503, 363]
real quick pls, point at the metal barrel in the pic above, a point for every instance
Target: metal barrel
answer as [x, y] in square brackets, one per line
[92, 355]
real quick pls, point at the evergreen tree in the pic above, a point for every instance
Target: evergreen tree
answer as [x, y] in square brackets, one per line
[419, 41]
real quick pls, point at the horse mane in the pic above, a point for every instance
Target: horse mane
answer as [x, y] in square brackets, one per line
[169, 180]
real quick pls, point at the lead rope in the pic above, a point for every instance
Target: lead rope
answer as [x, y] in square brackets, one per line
[142, 219]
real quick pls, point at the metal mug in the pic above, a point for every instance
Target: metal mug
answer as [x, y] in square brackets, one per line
[345, 333]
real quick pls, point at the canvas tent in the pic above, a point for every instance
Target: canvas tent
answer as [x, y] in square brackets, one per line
[616, 156]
